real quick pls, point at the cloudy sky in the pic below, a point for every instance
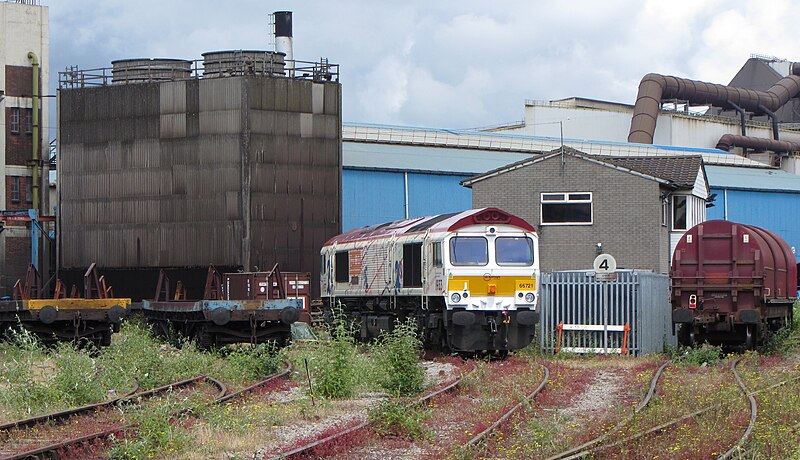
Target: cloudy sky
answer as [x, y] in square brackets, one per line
[445, 63]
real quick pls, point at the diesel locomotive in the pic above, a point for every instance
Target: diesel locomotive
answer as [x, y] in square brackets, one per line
[469, 280]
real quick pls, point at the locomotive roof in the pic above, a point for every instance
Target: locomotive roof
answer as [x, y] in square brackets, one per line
[437, 223]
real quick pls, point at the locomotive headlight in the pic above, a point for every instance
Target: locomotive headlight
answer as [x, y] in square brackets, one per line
[530, 297]
[455, 297]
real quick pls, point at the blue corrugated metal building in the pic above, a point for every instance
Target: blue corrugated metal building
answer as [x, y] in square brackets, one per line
[391, 173]
[768, 198]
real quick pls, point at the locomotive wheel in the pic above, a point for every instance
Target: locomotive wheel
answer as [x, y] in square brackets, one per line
[751, 336]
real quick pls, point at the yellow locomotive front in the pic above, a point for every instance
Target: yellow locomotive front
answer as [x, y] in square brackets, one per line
[492, 289]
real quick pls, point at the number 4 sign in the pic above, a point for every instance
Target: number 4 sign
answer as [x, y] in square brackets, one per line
[605, 263]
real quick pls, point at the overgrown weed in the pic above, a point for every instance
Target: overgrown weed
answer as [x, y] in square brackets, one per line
[397, 357]
[396, 418]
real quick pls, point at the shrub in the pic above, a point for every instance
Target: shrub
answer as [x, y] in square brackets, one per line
[155, 433]
[396, 418]
[397, 356]
[336, 363]
[704, 355]
[250, 363]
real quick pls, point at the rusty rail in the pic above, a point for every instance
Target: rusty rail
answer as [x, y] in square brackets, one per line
[753, 414]
[483, 434]
[310, 447]
[64, 414]
[35, 453]
[584, 449]
[726, 455]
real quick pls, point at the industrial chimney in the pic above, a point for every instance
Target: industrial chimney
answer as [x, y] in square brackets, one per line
[283, 38]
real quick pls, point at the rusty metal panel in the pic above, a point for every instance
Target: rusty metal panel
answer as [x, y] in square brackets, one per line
[293, 97]
[262, 121]
[318, 98]
[281, 94]
[332, 98]
[220, 94]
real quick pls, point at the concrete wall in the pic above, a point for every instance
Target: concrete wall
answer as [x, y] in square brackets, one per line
[626, 213]
[613, 124]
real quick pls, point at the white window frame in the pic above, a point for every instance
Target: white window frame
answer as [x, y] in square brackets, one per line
[566, 200]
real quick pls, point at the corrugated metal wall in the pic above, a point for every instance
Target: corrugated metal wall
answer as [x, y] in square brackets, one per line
[237, 171]
[774, 211]
[637, 298]
[373, 197]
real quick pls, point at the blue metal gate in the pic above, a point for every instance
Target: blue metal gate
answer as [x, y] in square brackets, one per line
[593, 314]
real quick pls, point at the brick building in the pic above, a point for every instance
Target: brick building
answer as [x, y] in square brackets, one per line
[23, 42]
[634, 208]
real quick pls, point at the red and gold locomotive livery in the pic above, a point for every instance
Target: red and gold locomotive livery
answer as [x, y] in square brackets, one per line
[731, 284]
[468, 279]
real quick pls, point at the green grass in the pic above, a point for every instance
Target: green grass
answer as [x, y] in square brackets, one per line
[36, 379]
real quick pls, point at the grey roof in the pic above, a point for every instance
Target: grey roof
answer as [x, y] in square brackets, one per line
[493, 146]
[772, 180]
[681, 171]
[676, 171]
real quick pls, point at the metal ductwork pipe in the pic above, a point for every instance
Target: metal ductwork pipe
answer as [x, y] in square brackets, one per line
[729, 141]
[654, 88]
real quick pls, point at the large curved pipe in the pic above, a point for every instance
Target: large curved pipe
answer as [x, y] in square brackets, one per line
[729, 141]
[654, 87]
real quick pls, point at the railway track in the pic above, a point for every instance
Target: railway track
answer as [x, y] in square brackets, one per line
[753, 409]
[480, 437]
[349, 435]
[43, 437]
[586, 448]
[309, 449]
[109, 421]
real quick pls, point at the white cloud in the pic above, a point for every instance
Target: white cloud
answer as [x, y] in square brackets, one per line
[447, 63]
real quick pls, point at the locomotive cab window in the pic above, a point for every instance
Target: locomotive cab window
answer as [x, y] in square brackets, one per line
[514, 250]
[469, 250]
[412, 265]
[437, 254]
[342, 268]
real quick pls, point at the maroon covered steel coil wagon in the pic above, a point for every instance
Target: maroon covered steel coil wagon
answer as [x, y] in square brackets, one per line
[731, 284]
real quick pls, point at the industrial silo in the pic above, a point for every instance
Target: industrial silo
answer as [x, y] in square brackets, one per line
[178, 164]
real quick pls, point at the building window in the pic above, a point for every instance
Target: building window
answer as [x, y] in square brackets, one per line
[14, 121]
[29, 190]
[15, 189]
[679, 213]
[28, 121]
[567, 208]
[664, 212]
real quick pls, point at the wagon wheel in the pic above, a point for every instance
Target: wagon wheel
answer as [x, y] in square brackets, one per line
[686, 335]
[751, 336]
